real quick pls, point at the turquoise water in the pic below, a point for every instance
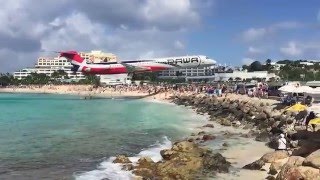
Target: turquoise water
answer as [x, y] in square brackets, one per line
[53, 136]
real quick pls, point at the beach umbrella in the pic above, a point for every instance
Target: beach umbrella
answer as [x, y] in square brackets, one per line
[302, 89]
[297, 108]
[314, 121]
[287, 88]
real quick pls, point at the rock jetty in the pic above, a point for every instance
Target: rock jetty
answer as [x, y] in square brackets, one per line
[185, 160]
[265, 122]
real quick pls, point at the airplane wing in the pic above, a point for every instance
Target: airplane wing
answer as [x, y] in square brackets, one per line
[131, 68]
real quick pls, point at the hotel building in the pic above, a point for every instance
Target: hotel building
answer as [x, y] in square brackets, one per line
[49, 65]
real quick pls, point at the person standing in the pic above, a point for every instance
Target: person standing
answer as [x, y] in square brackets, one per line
[282, 143]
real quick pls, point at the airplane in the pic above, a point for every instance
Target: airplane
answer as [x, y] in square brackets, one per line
[137, 66]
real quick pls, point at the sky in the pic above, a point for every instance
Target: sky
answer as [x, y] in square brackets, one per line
[232, 32]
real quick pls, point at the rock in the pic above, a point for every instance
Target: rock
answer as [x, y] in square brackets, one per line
[127, 167]
[215, 163]
[295, 161]
[305, 150]
[236, 124]
[274, 168]
[183, 146]
[225, 122]
[309, 172]
[257, 165]
[144, 172]
[208, 137]
[289, 173]
[201, 133]
[261, 116]
[292, 172]
[274, 156]
[209, 125]
[193, 134]
[313, 160]
[225, 145]
[294, 144]
[167, 154]
[270, 178]
[145, 162]
[263, 137]
[121, 159]
[190, 140]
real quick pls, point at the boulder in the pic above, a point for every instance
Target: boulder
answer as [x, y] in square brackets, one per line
[270, 178]
[145, 162]
[121, 159]
[127, 167]
[201, 133]
[209, 125]
[225, 122]
[309, 172]
[215, 163]
[289, 173]
[274, 168]
[261, 116]
[257, 165]
[274, 156]
[295, 161]
[144, 172]
[263, 137]
[183, 146]
[167, 154]
[208, 137]
[313, 160]
[305, 150]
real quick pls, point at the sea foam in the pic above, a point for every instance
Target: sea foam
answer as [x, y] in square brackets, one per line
[109, 170]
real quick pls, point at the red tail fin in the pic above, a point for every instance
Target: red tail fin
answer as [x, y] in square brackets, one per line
[73, 56]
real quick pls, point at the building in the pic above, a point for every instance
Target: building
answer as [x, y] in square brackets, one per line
[47, 65]
[115, 79]
[98, 57]
[187, 72]
[236, 76]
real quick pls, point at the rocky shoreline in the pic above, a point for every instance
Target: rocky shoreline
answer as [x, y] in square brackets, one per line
[265, 121]
[189, 159]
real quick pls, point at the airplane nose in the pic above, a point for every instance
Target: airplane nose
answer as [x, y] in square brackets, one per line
[211, 62]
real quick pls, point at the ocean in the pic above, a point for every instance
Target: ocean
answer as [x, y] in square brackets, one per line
[44, 136]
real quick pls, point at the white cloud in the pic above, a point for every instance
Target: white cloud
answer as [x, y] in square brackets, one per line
[253, 34]
[247, 61]
[130, 29]
[179, 45]
[291, 50]
[253, 51]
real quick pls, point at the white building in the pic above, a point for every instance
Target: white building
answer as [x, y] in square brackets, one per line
[236, 76]
[186, 72]
[48, 66]
[115, 79]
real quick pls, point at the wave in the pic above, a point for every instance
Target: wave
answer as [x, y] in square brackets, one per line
[109, 170]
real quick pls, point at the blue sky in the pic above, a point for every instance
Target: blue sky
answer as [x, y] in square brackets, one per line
[229, 31]
[236, 31]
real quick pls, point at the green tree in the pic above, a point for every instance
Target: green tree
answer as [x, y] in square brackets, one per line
[255, 66]
[59, 74]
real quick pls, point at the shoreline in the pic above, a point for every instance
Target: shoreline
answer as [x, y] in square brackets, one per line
[232, 115]
[160, 98]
